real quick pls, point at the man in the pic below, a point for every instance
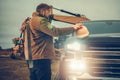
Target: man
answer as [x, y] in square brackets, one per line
[42, 47]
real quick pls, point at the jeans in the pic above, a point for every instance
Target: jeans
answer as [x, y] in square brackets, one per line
[41, 70]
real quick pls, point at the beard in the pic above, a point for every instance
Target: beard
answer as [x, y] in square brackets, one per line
[50, 18]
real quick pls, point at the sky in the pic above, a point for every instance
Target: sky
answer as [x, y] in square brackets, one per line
[13, 13]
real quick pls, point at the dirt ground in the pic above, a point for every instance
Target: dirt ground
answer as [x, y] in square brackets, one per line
[13, 69]
[17, 69]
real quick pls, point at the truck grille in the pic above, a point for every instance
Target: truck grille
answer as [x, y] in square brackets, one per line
[103, 62]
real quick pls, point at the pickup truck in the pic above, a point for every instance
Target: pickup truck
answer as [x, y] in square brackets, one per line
[96, 57]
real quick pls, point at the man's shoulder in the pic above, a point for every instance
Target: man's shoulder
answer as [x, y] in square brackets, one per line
[37, 21]
[37, 18]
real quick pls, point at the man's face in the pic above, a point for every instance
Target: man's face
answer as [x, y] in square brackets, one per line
[48, 12]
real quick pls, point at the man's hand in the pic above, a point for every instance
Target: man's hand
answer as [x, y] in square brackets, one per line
[77, 26]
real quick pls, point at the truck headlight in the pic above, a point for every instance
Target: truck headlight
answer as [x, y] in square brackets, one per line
[75, 46]
[77, 66]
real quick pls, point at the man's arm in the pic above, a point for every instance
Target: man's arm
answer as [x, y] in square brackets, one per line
[43, 25]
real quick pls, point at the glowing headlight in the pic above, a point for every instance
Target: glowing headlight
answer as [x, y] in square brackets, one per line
[73, 46]
[77, 65]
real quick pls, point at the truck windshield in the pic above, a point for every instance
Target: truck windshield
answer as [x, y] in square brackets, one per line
[101, 27]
